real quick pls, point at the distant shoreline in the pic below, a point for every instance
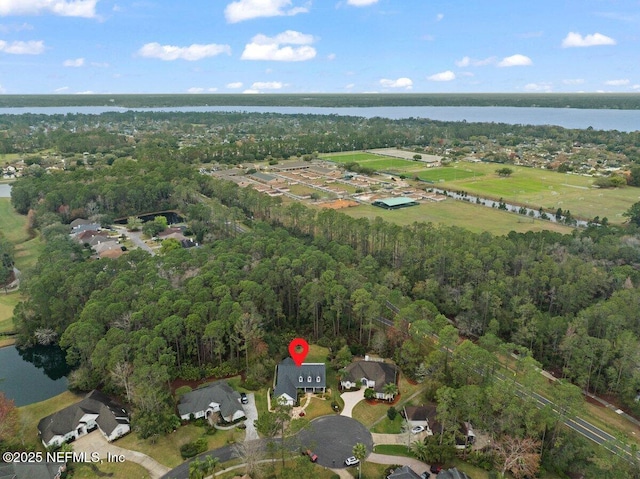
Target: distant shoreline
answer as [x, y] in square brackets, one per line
[611, 101]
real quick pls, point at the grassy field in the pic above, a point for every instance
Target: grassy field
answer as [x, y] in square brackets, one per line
[395, 164]
[7, 303]
[451, 212]
[14, 228]
[542, 188]
[125, 470]
[387, 426]
[348, 157]
[447, 174]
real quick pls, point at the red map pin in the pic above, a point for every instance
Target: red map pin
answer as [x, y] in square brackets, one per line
[298, 355]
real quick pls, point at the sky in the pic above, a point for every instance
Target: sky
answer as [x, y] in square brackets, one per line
[319, 46]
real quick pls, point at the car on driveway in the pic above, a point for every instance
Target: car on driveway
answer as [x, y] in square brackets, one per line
[351, 461]
[243, 398]
[417, 429]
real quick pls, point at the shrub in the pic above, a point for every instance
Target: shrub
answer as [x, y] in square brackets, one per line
[392, 413]
[182, 390]
[193, 448]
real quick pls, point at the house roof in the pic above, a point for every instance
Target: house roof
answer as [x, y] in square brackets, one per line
[263, 177]
[101, 238]
[111, 253]
[219, 392]
[110, 414]
[452, 473]
[395, 202]
[417, 413]
[404, 472]
[290, 377]
[79, 221]
[381, 373]
[45, 470]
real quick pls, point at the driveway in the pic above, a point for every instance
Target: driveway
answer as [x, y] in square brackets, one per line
[95, 442]
[418, 466]
[136, 237]
[350, 400]
[251, 412]
[332, 438]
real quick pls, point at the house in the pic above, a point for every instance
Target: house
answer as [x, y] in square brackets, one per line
[371, 374]
[217, 397]
[452, 473]
[404, 472]
[34, 470]
[419, 416]
[95, 411]
[309, 377]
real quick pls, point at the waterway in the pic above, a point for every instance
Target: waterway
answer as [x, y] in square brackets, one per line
[5, 190]
[599, 119]
[32, 375]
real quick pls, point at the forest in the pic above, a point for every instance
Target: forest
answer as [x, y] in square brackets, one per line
[135, 324]
[549, 100]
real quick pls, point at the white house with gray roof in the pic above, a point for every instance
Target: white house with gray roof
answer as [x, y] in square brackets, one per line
[95, 411]
[217, 397]
[309, 377]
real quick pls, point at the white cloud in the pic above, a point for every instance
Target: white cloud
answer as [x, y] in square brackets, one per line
[350, 86]
[516, 60]
[195, 89]
[77, 62]
[61, 89]
[15, 27]
[267, 85]
[439, 17]
[636, 87]
[543, 86]
[278, 48]
[361, 3]
[621, 82]
[234, 85]
[64, 8]
[573, 81]
[241, 10]
[22, 48]
[402, 82]
[331, 56]
[576, 40]
[191, 53]
[250, 91]
[468, 61]
[86, 92]
[442, 76]
[3, 90]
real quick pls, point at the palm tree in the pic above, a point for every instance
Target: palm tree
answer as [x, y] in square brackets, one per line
[390, 390]
[210, 465]
[419, 449]
[195, 469]
[359, 451]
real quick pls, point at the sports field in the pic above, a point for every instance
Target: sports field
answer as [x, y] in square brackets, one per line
[447, 174]
[543, 188]
[377, 162]
[451, 212]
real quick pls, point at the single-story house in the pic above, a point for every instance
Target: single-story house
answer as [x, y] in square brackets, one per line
[85, 227]
[95, 411]
[371, 374]
[79, 221]
[216, 397]
[309, 377]
[418, 416]
[452, 473]
[34, 470]
[404, 472]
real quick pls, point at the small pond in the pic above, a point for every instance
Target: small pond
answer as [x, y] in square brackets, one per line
[33, 374]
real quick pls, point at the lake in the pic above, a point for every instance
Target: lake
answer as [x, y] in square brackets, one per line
[32, 375]
[5, 190]
[599, 119]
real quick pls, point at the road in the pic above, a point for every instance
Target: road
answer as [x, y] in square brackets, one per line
[136, 237]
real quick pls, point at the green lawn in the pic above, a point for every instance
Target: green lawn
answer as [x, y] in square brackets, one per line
[7, 303]
[452, 212]
[447, 174]
[370, 414]
[349, 157]
[393, 450]
[548, 189]
[386, 164]
[389, 427]
[14, 228]
[125, 470]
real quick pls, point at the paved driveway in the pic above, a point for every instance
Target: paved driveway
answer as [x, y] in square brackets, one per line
[350, 400]
[332, 438]
[95, 442]
[251, 412]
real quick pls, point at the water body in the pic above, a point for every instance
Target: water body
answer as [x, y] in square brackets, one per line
[32, 375]
[599, 119]
[5, 190]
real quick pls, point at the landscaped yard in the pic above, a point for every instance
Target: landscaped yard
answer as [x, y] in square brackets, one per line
[7, 303]
[124, 470]
[387, 426]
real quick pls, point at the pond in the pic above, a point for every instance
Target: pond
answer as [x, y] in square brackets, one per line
[33, 374]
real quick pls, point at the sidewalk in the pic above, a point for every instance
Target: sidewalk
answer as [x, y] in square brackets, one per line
[95, 442]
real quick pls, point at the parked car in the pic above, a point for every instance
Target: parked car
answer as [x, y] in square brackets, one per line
[243, 398]
[312, 457]
[351, 461]
[435, 469]
[417, 429]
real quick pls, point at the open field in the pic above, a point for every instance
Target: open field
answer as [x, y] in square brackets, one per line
[451, 212]
[7, 303]
[349, 157]
[542, 188]
[447, 174]
[14, 228]
[377, 162]
[125, 470]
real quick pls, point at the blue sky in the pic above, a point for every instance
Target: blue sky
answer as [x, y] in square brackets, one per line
[318, 46]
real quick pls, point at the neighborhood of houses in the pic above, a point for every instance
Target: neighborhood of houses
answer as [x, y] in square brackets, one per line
[222, 406]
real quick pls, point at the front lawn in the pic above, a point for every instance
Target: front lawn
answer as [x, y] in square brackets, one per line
[393, 450]
[124, 470]
[389, 427]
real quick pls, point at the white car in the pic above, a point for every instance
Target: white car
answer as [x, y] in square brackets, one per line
[351, 461]
[417, 429]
